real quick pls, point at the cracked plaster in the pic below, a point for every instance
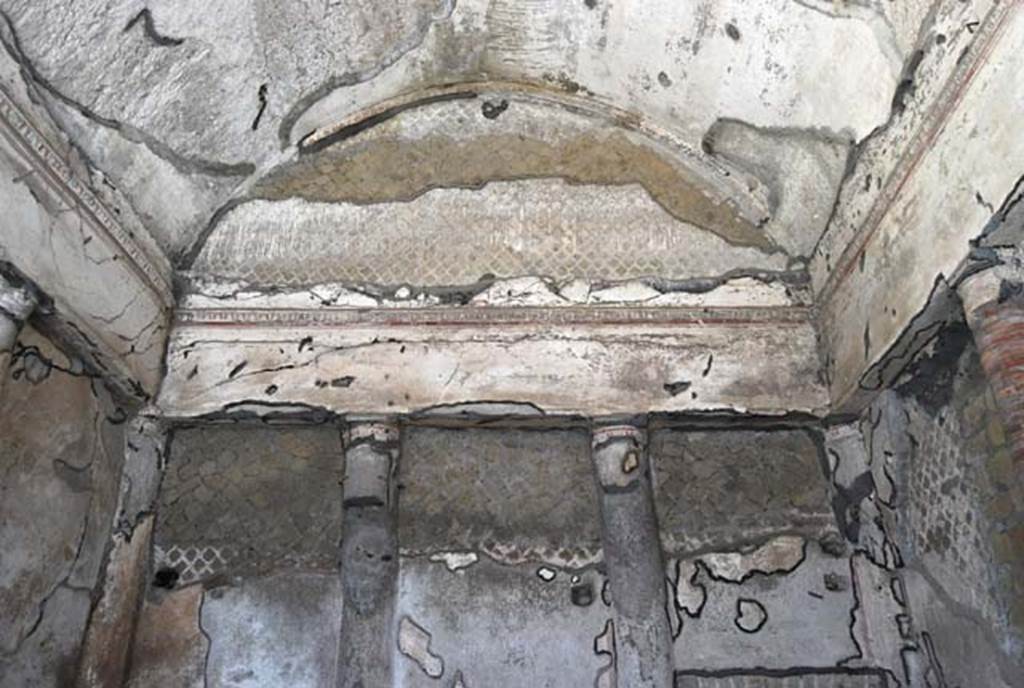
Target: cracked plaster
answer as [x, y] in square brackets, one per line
[258, 75]
[51, 559]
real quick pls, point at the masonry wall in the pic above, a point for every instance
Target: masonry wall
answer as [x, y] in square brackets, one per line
[61, 450]
[502, 578]
[960, 525]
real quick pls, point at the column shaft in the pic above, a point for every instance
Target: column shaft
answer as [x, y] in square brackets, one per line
[111, 630]
[632, 555]
[369, 556]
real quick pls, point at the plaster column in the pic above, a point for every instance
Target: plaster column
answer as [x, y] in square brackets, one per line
[632, 555]
[369, 555]
[993, 303]
[16, 305]
[109, 636]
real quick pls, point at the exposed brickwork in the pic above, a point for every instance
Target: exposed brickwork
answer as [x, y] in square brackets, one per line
[999, 334]
[959, 495]
[998, 329]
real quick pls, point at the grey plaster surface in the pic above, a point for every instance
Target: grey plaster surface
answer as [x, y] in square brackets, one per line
[60, 457]
[276, 631]
[777, 621]
[501, 625]
[131, 82]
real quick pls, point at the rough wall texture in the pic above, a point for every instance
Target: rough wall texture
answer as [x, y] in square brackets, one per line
[244, 502]
[515, 495]
[61, 452]
[244, 588]
[963, 534]
[501, 576]
[722, 489]
[185, 109]
[933, 504]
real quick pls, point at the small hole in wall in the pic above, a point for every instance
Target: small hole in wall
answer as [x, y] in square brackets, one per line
[582, 594]
[166, 578]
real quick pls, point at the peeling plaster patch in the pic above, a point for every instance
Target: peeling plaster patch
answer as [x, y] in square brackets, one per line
[781, 554]
[455, 560]
[545, 574]
[689, 595]
[750, 615]
[799, 171]
[757, 289]
[414, 642]
[677, 388]
[439, 146]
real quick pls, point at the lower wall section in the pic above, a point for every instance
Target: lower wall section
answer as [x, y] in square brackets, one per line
[61, 451]
[786, 604]
[497, 625]
[943, 481]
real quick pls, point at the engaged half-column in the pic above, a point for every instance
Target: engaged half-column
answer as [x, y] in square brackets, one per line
[369, 555]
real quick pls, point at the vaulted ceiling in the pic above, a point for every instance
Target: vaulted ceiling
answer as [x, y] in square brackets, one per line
[438, 142]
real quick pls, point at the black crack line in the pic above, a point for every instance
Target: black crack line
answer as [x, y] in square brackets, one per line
[671, 607]
[206, 635]
[352, 78]
[707, 368]
[933, 658]
[681, 610]
[262, 96]
[22, 352]
[921, 337]
[61, 583]
[852, 625]
[736, 619]
[239, 411]
[376, 341]
[362, 125]
[149, 28]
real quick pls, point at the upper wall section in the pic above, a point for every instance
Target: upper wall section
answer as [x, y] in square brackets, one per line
[921, 196]
[187, 106]
[105, 287]
[449, 186]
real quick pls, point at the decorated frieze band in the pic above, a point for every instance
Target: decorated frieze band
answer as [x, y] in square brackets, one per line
[17, 128]
[484, 316]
